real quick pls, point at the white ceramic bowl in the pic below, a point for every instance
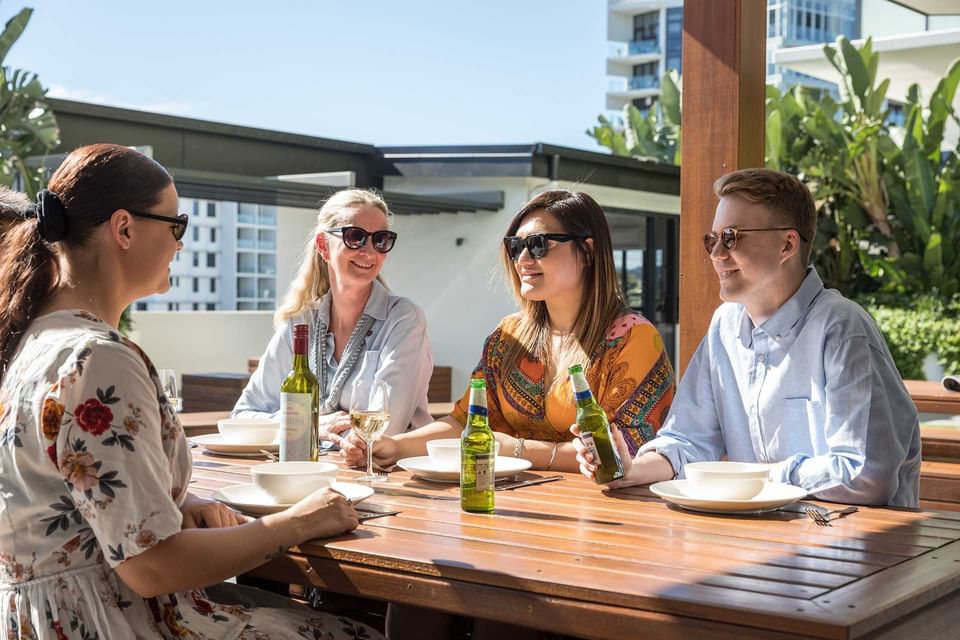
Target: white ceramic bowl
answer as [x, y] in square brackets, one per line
[261, 431]
[727, 480]
[288, 482]
[445, 452]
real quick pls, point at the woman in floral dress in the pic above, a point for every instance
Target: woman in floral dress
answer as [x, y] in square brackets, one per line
[99, 536]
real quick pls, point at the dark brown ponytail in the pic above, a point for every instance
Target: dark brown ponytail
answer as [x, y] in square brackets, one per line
[92, 183]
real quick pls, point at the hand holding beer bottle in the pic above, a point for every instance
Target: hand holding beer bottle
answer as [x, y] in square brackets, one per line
[593, 431]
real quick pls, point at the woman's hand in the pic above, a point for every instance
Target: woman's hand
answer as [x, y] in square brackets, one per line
[332, 425]
[205, 513]
[589, 465]
[353, 450]
[322, 514]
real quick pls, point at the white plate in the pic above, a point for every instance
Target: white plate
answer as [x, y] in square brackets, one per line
[424, 467]
[773, 496]
[250, 499]
[215, 442]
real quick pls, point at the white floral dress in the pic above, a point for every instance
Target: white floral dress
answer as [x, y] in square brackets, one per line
[93, 468]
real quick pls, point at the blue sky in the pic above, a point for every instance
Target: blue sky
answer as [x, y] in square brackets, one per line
[401, 72]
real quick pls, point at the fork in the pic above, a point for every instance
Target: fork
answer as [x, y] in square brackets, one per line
[823, 518]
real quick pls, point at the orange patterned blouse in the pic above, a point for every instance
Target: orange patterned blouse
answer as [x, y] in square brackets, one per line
[629, 373]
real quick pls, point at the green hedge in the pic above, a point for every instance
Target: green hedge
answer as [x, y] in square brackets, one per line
[926, 326]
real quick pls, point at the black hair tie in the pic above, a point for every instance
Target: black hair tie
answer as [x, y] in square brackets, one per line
[51, 216]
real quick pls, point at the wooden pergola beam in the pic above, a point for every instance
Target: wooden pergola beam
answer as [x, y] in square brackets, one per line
[724, 78]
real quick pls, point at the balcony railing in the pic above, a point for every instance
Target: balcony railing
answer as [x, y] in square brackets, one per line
[644, 82]
[634, 48]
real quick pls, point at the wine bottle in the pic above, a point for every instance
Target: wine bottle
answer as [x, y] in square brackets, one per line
[595, 429]
[299, 404]
[477, 454]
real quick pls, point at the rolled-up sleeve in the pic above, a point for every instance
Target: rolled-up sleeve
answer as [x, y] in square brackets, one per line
[261, 397]
[865, 444]
[406, 364]
[691, 432]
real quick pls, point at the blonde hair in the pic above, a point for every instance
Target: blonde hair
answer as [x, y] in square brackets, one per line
[313, 279]
[602, 300]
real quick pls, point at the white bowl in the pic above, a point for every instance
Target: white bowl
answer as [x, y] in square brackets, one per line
[445, 452]
[249, 430]
[288, 482]
[727, 480]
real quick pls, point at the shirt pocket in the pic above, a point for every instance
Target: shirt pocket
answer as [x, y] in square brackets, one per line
[367, 369]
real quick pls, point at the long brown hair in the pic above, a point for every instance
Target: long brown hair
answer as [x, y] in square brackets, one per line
[602, 299]
[88, 187]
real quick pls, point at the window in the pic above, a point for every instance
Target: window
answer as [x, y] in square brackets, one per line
[674, 46]
[196, 207]
[213, 234]
[211, 209]
[175, 281]
[196, 234]
[196, 285]
[211, 306]
[196, 306]
[213, 285]
[646, 26]
[141, 306]
[196, 259]
[211, 259]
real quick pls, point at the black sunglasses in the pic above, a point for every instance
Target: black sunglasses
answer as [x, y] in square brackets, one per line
[536, 243]
[180, 221]
[356, 237]
[729, 236]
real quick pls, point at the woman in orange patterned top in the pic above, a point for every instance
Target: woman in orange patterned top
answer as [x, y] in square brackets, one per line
[558, 256]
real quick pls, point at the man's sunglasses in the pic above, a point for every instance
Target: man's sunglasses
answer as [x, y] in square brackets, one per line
[728, 236]
[356, 237]
[179, 222]
[536, 243]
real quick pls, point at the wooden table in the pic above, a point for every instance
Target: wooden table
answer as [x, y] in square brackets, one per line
[930, 396]
[196, 423]
[566, 558]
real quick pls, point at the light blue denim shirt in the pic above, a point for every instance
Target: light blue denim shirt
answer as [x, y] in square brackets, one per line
[397, 351]
[813, 390]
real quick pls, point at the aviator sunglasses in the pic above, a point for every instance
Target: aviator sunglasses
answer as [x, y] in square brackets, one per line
[728, 236]
[356, 237]
[180, 222]
[536, 243]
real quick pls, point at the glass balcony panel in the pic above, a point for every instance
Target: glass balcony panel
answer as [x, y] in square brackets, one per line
[638, 47]
[644, 82]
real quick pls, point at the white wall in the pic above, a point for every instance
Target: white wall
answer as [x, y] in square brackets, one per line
[202, 342]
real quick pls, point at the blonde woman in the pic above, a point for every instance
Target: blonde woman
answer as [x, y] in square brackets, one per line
[357, 327]
[558, 257]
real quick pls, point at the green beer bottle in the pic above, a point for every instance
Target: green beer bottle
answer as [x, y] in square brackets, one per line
[595, 429]
[477, 446]
[299, 404]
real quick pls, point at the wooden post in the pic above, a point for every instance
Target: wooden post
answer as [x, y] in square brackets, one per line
[724, 78]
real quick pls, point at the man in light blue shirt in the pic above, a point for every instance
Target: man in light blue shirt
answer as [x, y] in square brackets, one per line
[789, 373]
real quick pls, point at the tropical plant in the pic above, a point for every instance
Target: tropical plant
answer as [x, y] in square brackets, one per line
[27, 125]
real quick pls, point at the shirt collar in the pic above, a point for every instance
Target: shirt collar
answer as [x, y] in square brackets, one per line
[789, 313]
[376, 304]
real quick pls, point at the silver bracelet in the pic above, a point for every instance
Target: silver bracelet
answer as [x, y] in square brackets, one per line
[518, 452]
[553, 455]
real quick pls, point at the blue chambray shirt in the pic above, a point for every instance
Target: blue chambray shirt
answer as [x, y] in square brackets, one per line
[397, 352]
[813, 390]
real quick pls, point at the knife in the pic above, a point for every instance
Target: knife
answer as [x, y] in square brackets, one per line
[527, 483]
[370, 515]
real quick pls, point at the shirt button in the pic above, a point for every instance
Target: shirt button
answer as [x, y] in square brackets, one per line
[762, 358]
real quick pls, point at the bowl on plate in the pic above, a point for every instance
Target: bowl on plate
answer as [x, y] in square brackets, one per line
[724, 480]
[261, 431]
[289, 482]
[445, 452]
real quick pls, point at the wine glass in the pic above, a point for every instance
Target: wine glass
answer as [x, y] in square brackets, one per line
[369, 414]
[168, 382]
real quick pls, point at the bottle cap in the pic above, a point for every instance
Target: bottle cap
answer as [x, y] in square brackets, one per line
[478, 383]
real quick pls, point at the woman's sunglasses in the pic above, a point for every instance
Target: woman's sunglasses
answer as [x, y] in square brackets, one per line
[728, 236]
[536, 243]
[179, 222]
[356, 237]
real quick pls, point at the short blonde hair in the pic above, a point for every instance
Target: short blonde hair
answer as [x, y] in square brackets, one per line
[313, 279]
[783, 194]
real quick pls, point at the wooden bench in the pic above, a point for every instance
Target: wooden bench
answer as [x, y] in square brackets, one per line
[931, 397]
[940, 485]
[212, 391]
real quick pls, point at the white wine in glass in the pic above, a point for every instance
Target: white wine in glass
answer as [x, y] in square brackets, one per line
[369, 415]
[168, 382]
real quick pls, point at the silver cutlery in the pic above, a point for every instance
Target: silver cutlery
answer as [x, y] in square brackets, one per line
[363, 516]
[271, 457]
[823, 518]
[526, 483]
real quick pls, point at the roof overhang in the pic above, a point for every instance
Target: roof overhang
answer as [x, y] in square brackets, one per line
[930, 7]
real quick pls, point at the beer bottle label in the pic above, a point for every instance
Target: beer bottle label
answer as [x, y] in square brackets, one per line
[587, 440]
[295, 413]
[485, 475]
